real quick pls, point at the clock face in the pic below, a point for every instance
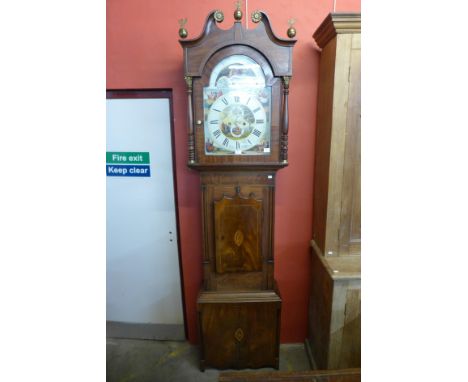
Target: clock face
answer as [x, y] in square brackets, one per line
[237, 109]
[237, 122]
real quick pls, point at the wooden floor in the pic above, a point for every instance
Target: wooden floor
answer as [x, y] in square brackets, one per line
[348, 375]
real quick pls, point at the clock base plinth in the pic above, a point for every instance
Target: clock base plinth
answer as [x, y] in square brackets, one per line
[239, 330]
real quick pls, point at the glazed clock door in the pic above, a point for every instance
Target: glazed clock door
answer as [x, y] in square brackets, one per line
[237, 108]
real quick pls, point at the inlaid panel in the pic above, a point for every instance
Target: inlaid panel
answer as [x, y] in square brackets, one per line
[238, 234]
[238, 228]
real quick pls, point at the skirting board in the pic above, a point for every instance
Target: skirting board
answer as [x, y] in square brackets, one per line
[164, 332]
[308, 349]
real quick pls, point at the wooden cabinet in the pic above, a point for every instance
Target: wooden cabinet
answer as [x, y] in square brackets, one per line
[334, 308]
[335, 312]
[337, 179]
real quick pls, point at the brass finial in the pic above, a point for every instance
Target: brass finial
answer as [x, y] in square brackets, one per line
[291, 30]
[238, 12]
[182, 31]
[256, 16]
[219, 16]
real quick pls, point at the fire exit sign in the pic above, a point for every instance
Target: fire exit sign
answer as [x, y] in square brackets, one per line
[123, 163]
[127, 157]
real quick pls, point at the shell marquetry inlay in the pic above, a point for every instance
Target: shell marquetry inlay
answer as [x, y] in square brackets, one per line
[238, 238]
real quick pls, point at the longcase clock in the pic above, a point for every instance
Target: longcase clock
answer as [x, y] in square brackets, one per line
[237, 85]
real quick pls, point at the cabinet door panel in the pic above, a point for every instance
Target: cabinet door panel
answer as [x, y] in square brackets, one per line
[238, 235]
[350, 219]
[243, 335]
[219, 323]
[261, 334]
[350, 353]
[238, 215]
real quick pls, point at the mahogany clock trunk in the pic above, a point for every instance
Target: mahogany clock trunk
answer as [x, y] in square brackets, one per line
[238, 209]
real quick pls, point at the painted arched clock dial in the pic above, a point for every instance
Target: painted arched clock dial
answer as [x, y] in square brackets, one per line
[237, 123]
[237, 109]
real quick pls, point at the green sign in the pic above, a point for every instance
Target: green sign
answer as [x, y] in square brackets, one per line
[127, 157]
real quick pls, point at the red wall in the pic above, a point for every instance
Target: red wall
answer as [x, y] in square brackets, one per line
[143, 52]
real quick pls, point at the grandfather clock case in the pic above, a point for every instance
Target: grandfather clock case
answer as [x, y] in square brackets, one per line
[237, 86]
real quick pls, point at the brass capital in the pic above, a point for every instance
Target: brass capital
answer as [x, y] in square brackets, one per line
[188, 81]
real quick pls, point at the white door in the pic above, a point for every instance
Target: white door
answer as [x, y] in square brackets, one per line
[143, 277]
